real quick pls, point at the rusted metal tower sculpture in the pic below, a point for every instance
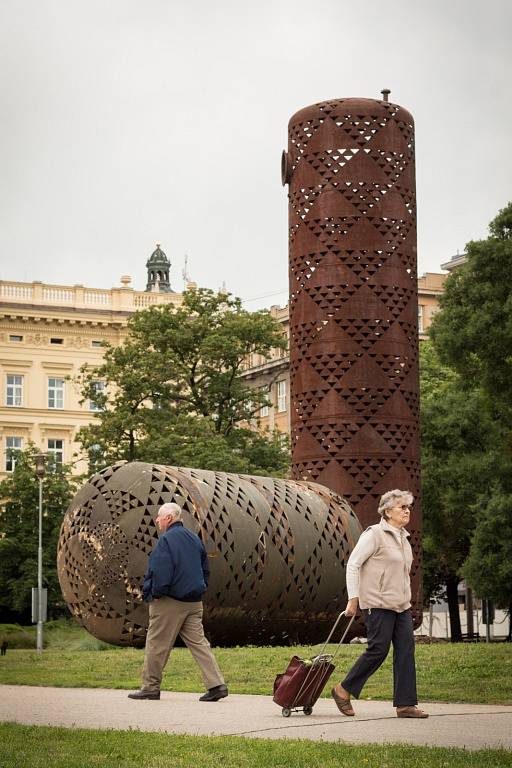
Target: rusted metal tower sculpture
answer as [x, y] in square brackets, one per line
[353, 303]
[278, 552]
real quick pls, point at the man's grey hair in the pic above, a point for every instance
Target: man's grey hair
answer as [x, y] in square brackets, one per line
[170, 508]
[394, 499]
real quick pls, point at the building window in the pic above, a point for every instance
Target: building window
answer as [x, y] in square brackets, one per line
[53, 340]
[15, 337]
[421, 315]
[14, 390]
[281, 396]
[56, 448]
[12, 444]
[99, 387]
[96, 458]
[55, 393]
[96, 343]
[264, 410]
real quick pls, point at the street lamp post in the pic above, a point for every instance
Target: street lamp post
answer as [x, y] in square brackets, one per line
[40, 461]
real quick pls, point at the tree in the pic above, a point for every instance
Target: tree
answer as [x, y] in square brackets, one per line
[488, 567]
[178, 375]
[188, 441]
[19, 525]
[473, 336]
[460, 458]
[473, 332]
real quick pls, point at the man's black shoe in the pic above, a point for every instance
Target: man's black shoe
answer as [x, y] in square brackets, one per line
[214, 694]
[144, 695]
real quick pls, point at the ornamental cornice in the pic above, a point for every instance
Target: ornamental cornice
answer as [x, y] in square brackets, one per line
[118, 321]
[35, 336]
[274, 367]
[57, 364]
[16, 363]
[20, 426]
[44, 428]
[83, 416]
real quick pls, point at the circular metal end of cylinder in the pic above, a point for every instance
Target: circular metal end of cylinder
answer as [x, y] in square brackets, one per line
[286, 168]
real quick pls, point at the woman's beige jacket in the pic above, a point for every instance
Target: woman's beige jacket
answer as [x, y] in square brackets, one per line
[378, 570]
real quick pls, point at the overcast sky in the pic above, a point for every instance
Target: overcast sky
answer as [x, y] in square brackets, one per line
[127, 122]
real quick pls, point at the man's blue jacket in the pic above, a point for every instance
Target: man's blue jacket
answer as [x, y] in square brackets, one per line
[177, 566]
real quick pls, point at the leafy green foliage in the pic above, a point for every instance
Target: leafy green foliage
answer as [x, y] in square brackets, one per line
[175, 392]
[489, 565]
[473, 332]
[188, 441]
[459, 462]
[457, 466]
[467, 422]
[19, 525]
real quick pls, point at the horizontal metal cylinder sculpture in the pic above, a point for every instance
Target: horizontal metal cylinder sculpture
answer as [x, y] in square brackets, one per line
[277, 551]
[353, 304]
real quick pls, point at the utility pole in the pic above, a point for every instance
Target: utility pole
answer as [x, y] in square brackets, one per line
[39, 603]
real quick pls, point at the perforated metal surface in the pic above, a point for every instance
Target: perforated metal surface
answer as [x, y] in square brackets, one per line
[277, 549]
[353, 304]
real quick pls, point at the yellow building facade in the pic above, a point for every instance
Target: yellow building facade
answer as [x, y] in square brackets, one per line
[430, 288]
[47, 332]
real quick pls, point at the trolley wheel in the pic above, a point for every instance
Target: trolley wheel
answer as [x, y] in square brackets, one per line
[286, 712]
[308, 710]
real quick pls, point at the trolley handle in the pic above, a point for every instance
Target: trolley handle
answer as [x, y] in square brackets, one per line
[331, 633]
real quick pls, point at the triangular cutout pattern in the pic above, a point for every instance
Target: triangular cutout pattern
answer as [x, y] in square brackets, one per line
[355, 327]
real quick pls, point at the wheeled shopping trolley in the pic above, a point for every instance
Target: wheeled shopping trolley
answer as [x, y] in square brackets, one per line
[299, 687]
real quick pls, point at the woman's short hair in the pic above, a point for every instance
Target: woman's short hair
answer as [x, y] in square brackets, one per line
[170, 508]
[393, 499]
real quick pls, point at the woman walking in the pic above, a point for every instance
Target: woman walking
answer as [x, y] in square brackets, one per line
[378, 582]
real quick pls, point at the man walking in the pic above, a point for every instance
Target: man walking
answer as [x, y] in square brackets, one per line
[175, 581]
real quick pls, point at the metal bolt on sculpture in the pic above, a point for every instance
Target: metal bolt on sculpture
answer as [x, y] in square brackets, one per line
[353, 304]
[278, 550]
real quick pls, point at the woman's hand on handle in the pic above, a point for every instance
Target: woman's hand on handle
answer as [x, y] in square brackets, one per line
[352, 607]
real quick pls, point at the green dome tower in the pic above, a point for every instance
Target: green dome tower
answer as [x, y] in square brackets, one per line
[158, 266]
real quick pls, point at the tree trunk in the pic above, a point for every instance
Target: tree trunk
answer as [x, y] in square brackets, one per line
[452, 582]
[509, 638]
[469, 612]
[131, 448]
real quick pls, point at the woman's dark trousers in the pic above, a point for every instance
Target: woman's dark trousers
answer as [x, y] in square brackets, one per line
[384, 627]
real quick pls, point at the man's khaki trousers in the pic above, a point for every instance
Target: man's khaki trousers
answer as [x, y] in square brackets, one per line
[169, 618]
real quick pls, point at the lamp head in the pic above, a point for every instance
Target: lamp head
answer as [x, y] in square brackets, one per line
[40, 462]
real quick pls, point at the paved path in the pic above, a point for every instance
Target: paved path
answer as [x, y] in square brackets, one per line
[473, 726]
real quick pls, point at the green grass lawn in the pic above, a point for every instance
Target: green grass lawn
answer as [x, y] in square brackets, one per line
[61, 633]
[476, 673]
[22, 746]
[473, 673]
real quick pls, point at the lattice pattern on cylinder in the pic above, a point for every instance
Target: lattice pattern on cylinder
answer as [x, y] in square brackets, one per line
[353, 304]
[277, 549]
